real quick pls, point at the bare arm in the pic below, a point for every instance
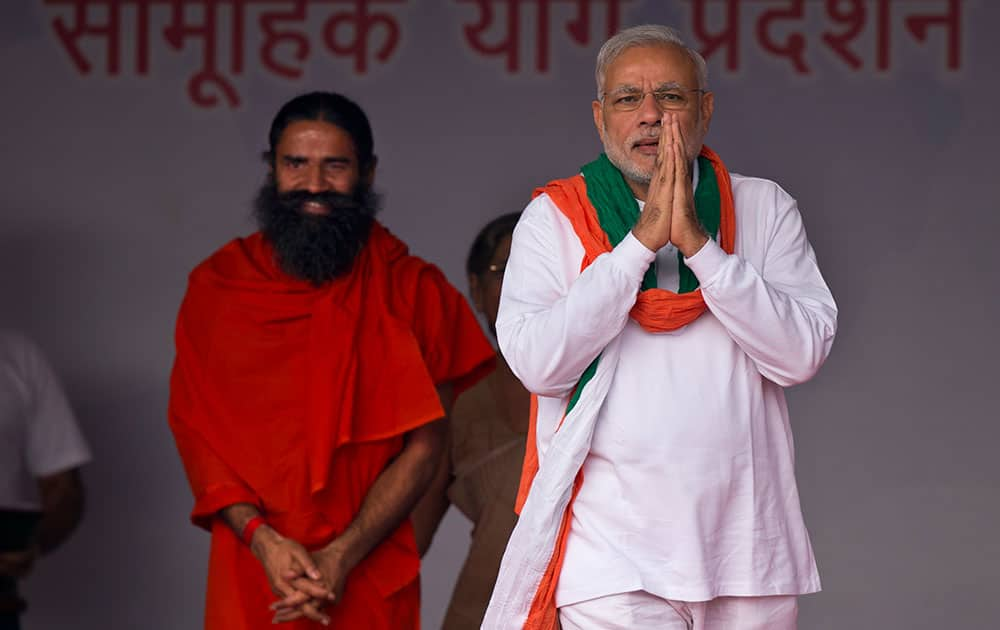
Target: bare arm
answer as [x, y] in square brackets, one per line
[432, 506]
[62, 508]
[238, 515]
[393, 495]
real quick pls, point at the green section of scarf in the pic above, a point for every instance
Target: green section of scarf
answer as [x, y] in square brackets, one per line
[618, 211]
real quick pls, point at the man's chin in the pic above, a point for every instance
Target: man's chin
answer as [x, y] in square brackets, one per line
[637, 173]
[628, 167]
[641, 159]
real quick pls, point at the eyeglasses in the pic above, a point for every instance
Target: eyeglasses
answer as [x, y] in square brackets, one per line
[672, 99]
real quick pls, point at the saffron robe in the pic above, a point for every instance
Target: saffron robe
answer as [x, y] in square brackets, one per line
[295, 398]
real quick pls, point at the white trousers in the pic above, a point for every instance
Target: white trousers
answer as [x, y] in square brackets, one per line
[638, 610]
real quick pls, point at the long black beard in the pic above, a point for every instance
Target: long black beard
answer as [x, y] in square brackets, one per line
[314, 247]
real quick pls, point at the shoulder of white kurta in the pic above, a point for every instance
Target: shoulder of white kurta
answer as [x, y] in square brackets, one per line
[761, 206]
[765, 192]
[540, 210]
[544, 228]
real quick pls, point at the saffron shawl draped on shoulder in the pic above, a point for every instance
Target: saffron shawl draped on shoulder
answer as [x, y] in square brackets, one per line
[524, 595]
[295, 398]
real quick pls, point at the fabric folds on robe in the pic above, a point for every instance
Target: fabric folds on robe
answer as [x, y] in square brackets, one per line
[295, 398]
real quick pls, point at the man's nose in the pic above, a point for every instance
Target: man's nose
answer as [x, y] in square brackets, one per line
[649, 111]
[314, 180]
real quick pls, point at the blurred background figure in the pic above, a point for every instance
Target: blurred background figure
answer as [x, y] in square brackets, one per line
[489, 425]
[41, 451]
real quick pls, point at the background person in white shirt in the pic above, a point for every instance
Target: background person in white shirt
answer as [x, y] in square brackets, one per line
[688, 513]
[41, 451]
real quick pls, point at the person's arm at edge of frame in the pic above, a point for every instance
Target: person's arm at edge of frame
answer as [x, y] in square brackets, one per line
[63, 501]
[62, 498]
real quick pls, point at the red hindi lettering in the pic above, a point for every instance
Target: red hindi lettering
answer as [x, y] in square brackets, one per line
[274, 38]
[69, 35]
[142, 37]
[362, 23]
[883, 27]
[509, 44]
[180, 30]
[854, 18]
[918, 25]
[728, 37]
[579, 29]
[795, 46]
[542, 46]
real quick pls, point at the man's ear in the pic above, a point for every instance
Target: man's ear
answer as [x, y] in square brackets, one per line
[369, 175]
[707, 109]
[268, 157]
[476, 292]
[598, 118]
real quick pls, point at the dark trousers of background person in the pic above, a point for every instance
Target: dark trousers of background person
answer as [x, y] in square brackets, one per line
[11, 605]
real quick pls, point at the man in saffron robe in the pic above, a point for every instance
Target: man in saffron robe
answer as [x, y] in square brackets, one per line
[313, 361]
[656, 305]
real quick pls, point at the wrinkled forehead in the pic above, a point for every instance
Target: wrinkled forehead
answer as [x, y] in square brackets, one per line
[316, 135]
[651, 67]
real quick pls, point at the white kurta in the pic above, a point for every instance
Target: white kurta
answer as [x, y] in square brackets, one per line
[689, 490]
[39, 435]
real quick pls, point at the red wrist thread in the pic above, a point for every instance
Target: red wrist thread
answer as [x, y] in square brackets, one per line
[250, 528]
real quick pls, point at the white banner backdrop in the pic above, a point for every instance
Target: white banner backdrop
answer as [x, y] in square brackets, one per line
[132, 134]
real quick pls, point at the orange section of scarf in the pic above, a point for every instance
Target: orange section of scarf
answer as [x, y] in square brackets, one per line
[656, 310]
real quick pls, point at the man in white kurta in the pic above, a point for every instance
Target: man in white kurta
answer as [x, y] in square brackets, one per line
[689, 504]
[41, 451]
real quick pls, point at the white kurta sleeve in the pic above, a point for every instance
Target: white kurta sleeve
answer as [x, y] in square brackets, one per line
[553, 319]
[782, 315]
[55, 443]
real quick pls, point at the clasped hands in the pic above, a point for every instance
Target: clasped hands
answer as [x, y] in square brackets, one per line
[306, 583]
[669, 215]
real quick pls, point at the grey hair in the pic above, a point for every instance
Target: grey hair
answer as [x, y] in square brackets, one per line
[645, 35]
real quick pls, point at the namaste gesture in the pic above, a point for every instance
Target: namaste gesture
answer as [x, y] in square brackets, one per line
[669, 215]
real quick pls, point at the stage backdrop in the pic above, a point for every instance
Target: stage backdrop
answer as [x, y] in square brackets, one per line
[132, 135]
